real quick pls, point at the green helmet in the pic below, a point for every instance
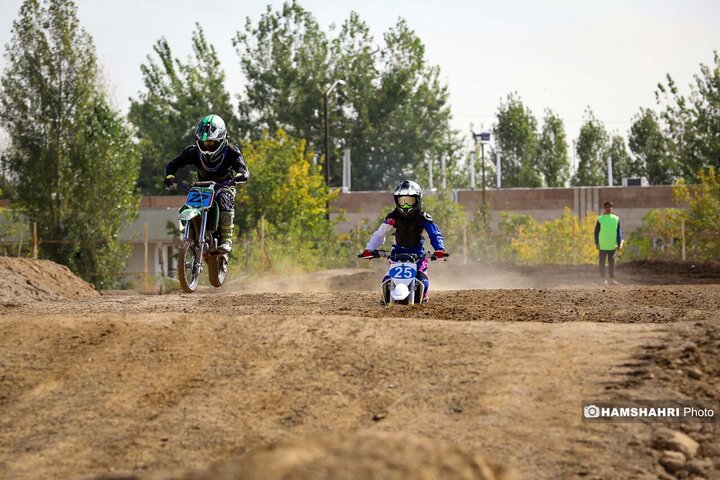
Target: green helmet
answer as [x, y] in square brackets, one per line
[211, 139]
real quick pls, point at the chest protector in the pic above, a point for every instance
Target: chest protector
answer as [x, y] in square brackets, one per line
[221, 170]
[408, 230]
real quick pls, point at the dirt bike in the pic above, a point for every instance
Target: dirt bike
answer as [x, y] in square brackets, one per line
[199, 219]
[402, 285]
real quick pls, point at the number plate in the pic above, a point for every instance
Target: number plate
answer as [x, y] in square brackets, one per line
[199, 197]
[405, 272]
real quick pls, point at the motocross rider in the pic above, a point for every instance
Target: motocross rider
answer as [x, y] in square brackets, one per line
[216, 161]
[409, 220]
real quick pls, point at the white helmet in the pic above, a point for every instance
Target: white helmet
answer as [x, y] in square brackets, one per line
[408, 198]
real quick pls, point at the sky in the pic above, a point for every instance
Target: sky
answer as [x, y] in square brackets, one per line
[566, 55]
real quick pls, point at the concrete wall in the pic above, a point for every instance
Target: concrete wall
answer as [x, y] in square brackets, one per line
[631, 203]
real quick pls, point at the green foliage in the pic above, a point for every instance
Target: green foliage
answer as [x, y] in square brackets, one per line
[71, 161]
[449, 216]
[509, 227]
[177, 95]
[516, 135]
[284, 59]
[285, 202]
[650, 150]
[14, 229]
[553, 158]
[692, 123]
[658, 238]
[486, 245]
[410, 115]
[392, 113]
[703, 212]
[621, 163]
[567, 240]
[591, 149]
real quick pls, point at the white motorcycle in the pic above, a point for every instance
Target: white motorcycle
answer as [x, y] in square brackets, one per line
[402, 285]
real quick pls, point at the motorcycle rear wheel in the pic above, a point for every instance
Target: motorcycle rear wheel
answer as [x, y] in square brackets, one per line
[188, 274]
[217, 269]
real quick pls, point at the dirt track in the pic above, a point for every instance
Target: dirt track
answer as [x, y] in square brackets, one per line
[158, 384]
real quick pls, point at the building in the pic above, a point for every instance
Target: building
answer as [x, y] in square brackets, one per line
[159, 213]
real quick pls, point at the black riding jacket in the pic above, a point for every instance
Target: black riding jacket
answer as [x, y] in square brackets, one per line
[408, 233]
[231, 163]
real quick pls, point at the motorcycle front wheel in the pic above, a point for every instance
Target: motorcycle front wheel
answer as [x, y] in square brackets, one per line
[217, 269]
[188, 273]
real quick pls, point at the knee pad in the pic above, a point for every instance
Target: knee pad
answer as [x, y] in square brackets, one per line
[226, 200]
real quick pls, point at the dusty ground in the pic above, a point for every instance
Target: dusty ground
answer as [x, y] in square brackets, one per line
[320, 384]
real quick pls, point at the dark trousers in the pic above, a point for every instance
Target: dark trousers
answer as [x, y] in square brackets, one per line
[225, 197]
[610, 254]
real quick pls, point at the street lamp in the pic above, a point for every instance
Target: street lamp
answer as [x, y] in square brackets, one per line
[327, 128]
[481, 139]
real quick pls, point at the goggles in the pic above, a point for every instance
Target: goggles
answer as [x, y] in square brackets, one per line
[406, 201]
[209, 145]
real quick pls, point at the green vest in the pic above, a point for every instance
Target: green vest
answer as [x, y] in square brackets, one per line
[608, 231]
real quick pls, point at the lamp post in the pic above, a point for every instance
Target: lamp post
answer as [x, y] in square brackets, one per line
[481, 139]
[327, 128]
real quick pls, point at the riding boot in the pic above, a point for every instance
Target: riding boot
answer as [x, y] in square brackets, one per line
[226, 231]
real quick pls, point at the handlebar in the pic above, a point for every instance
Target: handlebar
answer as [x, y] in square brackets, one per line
[411, 257]
[188, 186]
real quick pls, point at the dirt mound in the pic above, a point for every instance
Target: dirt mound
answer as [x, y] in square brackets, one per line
[368, 455]
[364, 280]
[23, 280]
[688, 367]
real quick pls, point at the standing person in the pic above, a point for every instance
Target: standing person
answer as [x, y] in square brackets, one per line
[409, 222]
[608, 239]
[218, 161]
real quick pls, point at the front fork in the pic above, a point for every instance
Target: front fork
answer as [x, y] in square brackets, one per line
[200, 241]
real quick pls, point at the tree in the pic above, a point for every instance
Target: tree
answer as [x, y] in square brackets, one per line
[411, 120]
[286, 203]
[692, 123]
[620, 159]
[553, 156]
[71, 161]
[287, 190]
[177, 95]
[650, 151]
[449, 216]
[393, 113]
[591, 149]
[516, 135]
[702, 214]
[558, 241]
[285, 62]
